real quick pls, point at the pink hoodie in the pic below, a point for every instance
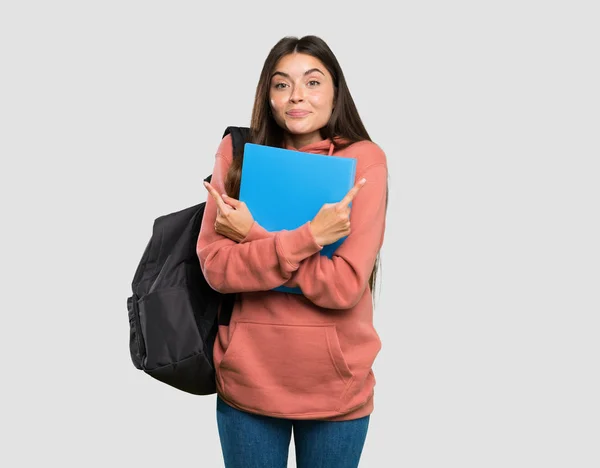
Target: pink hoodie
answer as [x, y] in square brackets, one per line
[299, 356]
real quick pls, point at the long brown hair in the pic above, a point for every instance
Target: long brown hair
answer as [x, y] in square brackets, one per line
[345, 122]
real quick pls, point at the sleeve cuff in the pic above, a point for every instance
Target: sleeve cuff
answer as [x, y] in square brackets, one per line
[256, 232]
[297, 245]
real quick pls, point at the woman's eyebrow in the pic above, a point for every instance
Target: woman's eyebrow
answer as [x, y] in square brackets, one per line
[307, 72]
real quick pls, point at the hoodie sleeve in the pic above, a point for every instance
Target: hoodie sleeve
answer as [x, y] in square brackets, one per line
[339, 282]
[251, 265]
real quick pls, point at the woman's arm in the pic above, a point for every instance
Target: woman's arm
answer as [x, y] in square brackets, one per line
[339, 282]
[260, 265]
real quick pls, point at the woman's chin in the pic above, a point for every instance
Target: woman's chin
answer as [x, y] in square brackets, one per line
[298, 129]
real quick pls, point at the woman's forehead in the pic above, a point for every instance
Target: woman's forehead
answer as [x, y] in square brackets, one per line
[299, 64]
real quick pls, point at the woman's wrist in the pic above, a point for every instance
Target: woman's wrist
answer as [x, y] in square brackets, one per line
[312, 232]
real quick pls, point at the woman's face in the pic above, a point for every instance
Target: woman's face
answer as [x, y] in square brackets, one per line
[301, 94]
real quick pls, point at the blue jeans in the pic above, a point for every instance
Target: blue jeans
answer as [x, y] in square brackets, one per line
[254, 441]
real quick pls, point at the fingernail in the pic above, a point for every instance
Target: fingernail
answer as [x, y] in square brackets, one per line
[224, 195]
[362, 181]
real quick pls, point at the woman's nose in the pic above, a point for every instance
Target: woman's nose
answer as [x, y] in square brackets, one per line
[297, 94]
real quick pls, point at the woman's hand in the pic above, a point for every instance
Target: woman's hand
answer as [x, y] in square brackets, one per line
[234, 220]
[332, 222]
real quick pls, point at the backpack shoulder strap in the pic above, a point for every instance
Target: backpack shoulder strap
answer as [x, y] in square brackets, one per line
[239, 137]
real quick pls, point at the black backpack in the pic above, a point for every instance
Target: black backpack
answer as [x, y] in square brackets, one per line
[173, 312]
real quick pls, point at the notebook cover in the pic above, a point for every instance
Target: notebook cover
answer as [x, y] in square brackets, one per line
[284, 189]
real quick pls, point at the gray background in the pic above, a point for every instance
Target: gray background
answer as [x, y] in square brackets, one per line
[110, 115]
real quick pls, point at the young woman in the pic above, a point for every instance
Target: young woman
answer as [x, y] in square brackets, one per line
[289, 361]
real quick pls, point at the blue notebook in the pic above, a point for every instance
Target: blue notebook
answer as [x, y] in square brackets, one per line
[284, 189]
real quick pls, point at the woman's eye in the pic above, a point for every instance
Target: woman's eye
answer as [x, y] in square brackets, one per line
[280, 85]
[313, 83]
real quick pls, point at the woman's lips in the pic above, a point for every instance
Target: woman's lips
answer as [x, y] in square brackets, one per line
[297, 113]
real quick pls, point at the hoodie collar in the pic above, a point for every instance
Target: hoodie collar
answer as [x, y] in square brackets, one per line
[326, 146]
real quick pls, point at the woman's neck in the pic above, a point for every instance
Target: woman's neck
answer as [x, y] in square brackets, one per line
[300, 141]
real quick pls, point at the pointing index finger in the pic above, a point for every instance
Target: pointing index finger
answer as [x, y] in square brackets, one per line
[353, 191]
[218, 200]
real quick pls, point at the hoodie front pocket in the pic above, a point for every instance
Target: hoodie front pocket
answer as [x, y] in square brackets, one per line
[285, 369]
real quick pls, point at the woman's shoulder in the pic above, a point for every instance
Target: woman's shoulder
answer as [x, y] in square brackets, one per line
[225, 149]
[367, 153]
